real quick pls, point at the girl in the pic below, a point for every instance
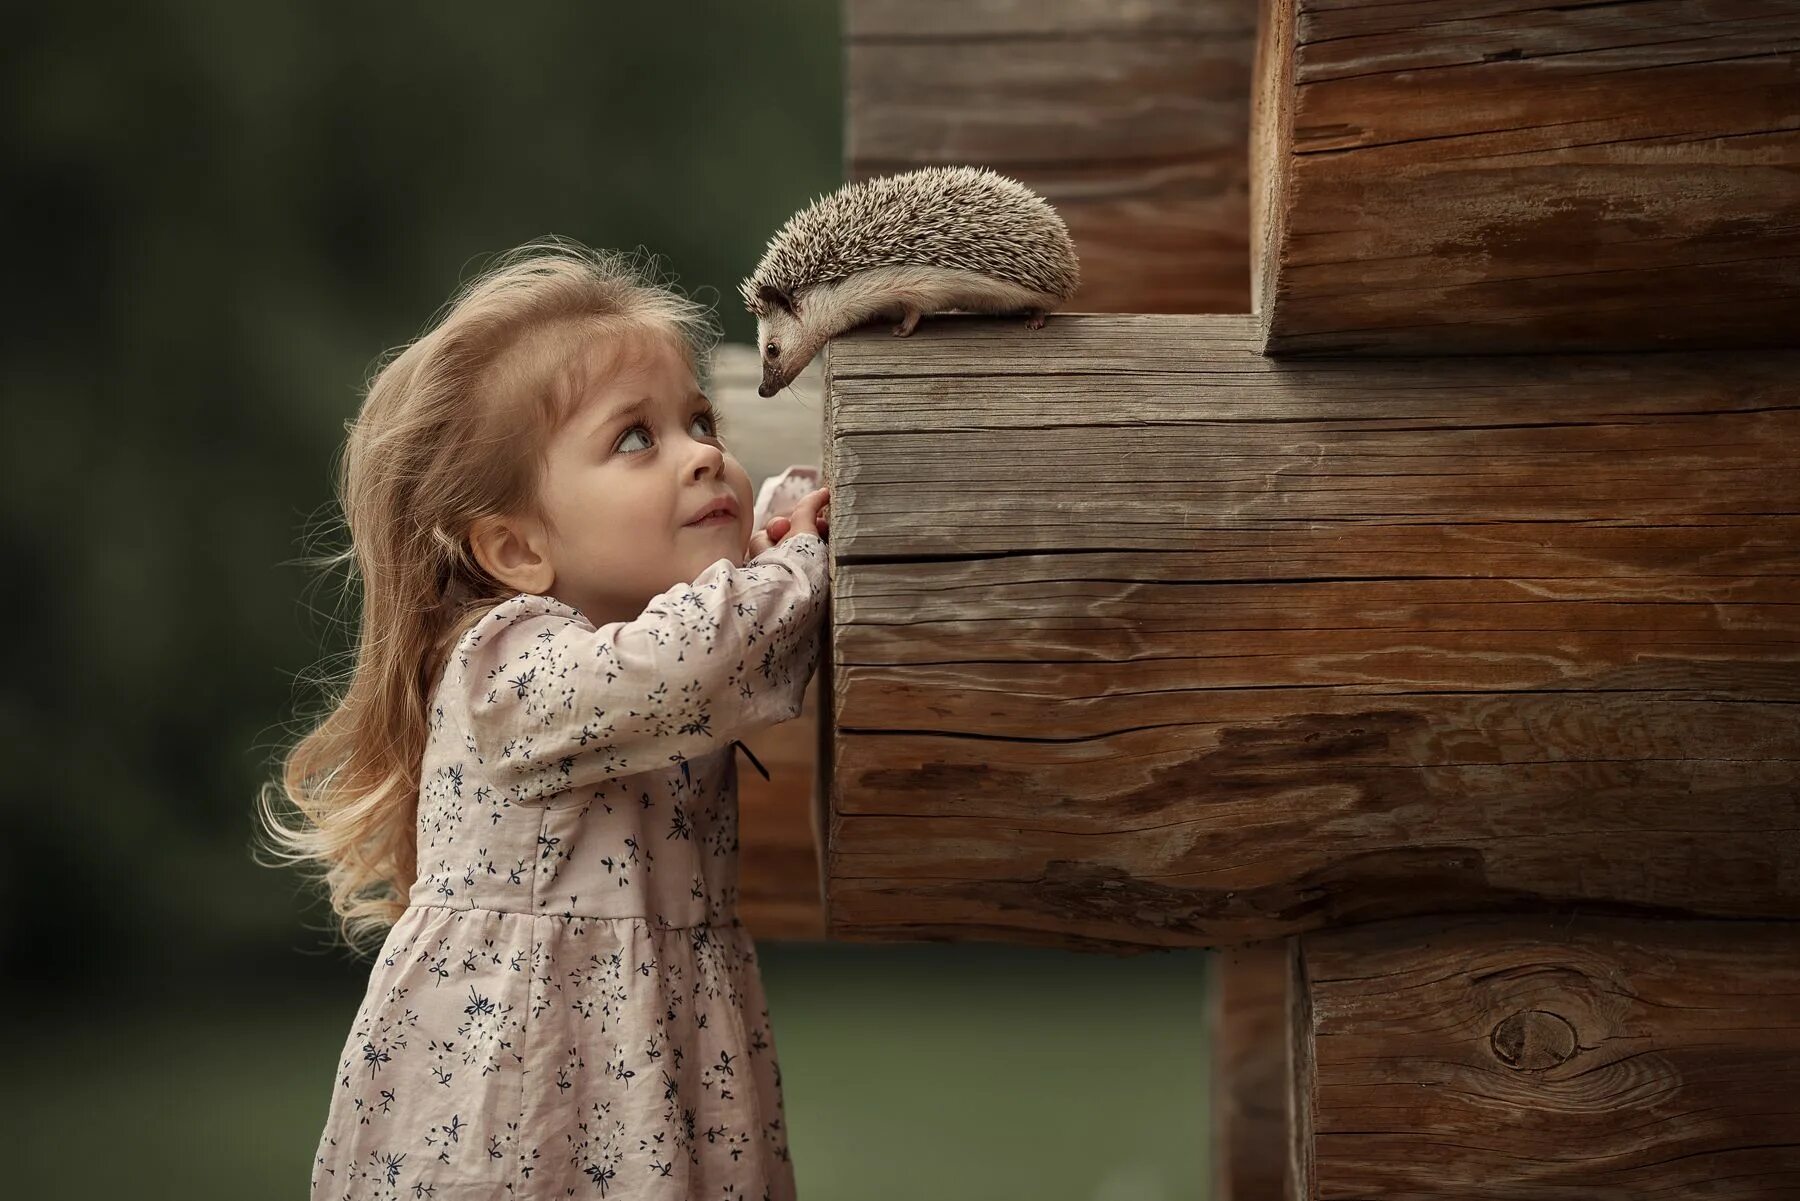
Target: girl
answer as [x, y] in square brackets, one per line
[529, 781]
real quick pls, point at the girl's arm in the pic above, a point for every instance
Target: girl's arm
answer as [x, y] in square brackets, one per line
[556, 704]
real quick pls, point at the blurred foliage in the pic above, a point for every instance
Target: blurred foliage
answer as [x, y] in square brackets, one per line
[959, 1073]
[222, 215]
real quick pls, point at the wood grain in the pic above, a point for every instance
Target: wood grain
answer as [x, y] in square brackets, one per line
[1141, 639]
[1488, 176]
[1572, 1059]
[1131, 118]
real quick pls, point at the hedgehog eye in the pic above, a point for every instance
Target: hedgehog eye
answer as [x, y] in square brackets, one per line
[772, 350]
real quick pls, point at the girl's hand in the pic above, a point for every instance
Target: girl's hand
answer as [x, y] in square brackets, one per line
[809, 516]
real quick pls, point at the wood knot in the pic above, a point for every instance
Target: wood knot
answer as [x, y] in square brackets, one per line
[1534, 1040]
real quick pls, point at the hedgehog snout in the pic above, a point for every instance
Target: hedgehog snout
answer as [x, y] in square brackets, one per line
[773, 380]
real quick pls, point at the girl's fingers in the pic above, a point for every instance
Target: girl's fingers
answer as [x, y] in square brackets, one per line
[806, 516]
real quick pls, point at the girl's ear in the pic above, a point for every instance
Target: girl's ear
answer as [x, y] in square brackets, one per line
[513, 553]
[773, 295]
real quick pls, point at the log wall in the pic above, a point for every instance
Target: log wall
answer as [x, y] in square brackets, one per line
[1470, 177]
[1577, 1059]
[1145, 640]
[1466, 678]
[1133, 119]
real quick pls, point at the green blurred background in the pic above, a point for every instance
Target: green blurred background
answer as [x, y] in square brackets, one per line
[221, 215]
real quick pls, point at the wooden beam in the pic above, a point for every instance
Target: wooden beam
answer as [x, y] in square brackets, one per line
[1464, 177]
[1570, 1057]
[1252, 1012]
[1132, 119]
[1141, 639]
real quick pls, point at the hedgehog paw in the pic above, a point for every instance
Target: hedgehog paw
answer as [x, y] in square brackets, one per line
[1034, 319]
[911, 322]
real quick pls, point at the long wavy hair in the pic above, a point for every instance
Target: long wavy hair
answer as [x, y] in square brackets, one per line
[453, 427]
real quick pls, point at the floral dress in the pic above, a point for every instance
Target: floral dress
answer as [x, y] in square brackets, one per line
[569, 1005]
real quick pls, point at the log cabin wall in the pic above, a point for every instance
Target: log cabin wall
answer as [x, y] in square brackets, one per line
[1466, 177]
[1134, 119]
[1580, 1057]
[1131, 118]
[1143, 639]
[1457, 178]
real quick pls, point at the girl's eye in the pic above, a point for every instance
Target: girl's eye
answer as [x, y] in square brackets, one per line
[715, 425]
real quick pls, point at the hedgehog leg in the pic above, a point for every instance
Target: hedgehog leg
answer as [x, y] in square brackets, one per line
[1034, 319]
[909, 323]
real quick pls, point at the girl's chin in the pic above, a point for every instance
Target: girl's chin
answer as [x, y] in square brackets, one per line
[739, 555]
[717, 538]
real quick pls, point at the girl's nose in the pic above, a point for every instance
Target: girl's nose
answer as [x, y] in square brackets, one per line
[710, 455]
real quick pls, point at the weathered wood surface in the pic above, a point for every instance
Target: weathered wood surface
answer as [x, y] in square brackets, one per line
[1249, 1005]
[1131, 118]
[1142, 639]
[1462, 176]
[1569, 1059]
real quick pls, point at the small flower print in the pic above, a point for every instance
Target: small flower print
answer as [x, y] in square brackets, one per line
[571, 938]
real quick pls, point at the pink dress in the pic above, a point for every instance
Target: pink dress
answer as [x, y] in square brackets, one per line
[569, 1005]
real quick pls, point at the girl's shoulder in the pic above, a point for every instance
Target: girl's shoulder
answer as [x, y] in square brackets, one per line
[529, 604]
[523, 607]
[522, 615]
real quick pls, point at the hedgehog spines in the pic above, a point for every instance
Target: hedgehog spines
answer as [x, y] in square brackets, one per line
[972, 218]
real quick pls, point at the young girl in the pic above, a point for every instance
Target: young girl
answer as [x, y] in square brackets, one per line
[529, 779]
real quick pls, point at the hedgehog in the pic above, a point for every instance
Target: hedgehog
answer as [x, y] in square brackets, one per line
[957, 239]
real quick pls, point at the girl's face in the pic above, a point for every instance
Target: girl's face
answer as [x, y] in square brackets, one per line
[636, 461]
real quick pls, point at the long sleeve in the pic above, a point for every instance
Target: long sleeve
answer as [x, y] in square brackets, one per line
[555, 703]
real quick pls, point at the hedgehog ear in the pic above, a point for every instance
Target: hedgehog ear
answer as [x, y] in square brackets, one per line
[773, 295]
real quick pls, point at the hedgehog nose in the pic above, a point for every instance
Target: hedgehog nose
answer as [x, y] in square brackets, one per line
[764, 390]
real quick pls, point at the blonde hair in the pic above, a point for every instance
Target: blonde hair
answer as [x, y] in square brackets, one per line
[441, 441]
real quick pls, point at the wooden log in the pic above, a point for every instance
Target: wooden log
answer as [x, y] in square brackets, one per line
[1251, 1011]
[1463, 177]
[1142, 639]
[1576, 1058]
[1133, 119]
